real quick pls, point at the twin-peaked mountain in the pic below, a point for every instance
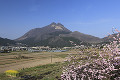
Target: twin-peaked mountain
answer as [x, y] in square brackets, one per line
[45, 32]
[56, 35]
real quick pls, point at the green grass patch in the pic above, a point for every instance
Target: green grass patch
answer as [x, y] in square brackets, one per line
[60, 55]
[43, 72]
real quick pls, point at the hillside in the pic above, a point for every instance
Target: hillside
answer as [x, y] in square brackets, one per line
[6, 42]
[83, 37]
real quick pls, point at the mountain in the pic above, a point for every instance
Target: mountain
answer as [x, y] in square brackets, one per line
[56, 35]
[45, 32]
[6, 42]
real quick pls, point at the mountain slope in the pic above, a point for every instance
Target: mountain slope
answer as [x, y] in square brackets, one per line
[6, 42]
[83, 37]
[57, 41]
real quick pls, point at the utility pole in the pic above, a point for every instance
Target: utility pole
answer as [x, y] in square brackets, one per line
[51, 57]
[51, 54]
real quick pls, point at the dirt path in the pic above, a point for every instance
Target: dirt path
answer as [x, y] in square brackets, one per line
[27, 64]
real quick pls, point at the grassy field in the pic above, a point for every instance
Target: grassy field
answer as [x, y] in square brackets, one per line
[48, 71]
[9, 58]
[43, 72]
[41, 59]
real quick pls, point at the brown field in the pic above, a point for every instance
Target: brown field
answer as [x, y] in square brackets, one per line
[8, 60]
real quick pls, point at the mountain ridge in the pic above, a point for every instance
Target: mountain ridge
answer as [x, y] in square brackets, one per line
[53, 27]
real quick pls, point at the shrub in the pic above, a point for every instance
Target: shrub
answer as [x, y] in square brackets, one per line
[12, 73]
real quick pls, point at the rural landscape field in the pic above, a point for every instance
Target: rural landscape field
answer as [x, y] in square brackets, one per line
[41, 65]
[46, 62]
[59, 39]
[32, 59]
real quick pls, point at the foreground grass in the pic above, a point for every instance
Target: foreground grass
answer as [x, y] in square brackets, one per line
[44, 72]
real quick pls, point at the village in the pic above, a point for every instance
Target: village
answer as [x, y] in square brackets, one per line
[8, 49]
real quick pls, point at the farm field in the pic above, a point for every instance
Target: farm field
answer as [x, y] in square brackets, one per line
[43, 72]
[9, 61]
[39, 64]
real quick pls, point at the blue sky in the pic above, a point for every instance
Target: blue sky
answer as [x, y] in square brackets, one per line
[93, 17]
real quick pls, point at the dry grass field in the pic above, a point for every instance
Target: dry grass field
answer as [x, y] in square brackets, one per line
[9, 61]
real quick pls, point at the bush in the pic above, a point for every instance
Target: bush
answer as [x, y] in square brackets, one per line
[12, 73]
